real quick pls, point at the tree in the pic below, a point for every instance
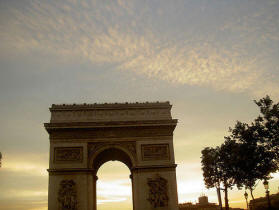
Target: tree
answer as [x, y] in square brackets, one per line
[228, 154]
[211, 171]
[268, 126]
[249, 154]
[218, 165]
[247, 173]
[251, 162]
[258, 151]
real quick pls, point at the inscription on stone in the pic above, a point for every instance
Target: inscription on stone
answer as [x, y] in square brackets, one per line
[72, 154]
[155, 152]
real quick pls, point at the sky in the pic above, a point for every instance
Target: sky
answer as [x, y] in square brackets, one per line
[209, 58]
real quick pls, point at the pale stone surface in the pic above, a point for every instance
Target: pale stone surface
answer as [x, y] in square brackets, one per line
[83, 137]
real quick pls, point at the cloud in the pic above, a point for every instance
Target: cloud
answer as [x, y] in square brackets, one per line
[25, 167]
[24, 205]
[123, 188]
[24, 181]
[111, 200]
[233, 55]
[116, 188]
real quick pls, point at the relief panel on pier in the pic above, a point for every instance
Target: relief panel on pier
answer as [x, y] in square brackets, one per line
[155, 152]
[68, 154]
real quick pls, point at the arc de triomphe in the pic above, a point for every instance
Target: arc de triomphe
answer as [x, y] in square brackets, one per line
[85, 136]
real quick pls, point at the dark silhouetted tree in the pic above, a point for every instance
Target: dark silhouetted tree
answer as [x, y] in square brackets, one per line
[249, 154]
[268, 126]
[228, 156]
[258, 146]
[218, 166]
[211, 170]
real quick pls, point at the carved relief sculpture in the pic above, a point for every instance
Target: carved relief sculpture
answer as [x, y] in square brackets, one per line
[73, 154]
[67, 195]
[155, 152]
[158, 191]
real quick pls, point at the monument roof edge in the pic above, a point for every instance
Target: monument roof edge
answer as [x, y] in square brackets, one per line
[102, 123]
[125, 105]
[86, 125]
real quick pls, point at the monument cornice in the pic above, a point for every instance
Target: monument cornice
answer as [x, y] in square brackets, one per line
[63, 171]
[108, 132]
[154, 168]
[126, 105]
[119, 124]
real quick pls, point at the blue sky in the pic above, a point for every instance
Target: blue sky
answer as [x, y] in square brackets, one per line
[210, 59]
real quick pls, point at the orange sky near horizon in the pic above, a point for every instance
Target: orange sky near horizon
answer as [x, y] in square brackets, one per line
[210, 59]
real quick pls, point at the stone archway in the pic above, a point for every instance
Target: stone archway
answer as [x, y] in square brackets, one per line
[83, 137]
[110, 153]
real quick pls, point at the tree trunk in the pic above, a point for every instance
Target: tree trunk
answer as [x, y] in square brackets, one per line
[251, 192]
[226, 197]
[219, 197]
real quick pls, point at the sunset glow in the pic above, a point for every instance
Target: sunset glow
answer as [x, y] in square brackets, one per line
[209, 58]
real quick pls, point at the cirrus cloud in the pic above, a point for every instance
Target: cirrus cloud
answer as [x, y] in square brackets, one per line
[234, 53]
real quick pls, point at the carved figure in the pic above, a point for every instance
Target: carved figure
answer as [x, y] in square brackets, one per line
[67, 195]
[158, 191]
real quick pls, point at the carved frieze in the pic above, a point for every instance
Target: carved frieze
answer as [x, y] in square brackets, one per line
[158, 191]
[68, 154]
[112, 112]
[67, 195]
[155, 152]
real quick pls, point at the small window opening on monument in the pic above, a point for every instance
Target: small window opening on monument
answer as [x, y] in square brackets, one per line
[114, 189]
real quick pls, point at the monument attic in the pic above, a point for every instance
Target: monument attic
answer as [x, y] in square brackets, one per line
[85, 136]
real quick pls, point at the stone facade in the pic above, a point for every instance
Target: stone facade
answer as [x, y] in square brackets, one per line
[85, 136]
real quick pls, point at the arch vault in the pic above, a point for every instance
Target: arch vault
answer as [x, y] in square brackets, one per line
[83, 137]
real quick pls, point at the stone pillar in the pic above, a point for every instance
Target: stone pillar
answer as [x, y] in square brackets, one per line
[132, 184]
[70, 180]
[155, 175]
[155, 188]
[70, 187]
[94, 192]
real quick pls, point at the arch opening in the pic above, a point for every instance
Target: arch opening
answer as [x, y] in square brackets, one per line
[114, 188]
